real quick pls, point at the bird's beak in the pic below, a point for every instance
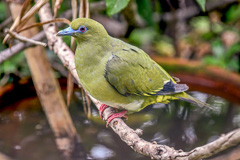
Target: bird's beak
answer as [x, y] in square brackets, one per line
[66, 32]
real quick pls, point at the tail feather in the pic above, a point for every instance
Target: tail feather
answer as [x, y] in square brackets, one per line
[188, 98]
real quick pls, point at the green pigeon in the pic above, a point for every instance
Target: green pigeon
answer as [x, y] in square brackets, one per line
[118, 74]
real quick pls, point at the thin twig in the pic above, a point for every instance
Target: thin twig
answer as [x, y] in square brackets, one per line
[84, 101]
[25, 39]
[9, 52]
[57, 5]
[84, 13]
[25, 7]
[81, 8]
[6, 22]
[188, 12]
[4, 157]
[21, 21]
[87, 12]
[63, 20]
[70, 85]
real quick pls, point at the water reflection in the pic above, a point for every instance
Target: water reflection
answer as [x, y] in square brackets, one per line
[101, 152]
[160, 139]
[236, 120]
[25, 133]
[19, 115]
[189, 135]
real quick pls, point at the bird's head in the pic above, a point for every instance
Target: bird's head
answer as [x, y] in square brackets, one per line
[84, 29]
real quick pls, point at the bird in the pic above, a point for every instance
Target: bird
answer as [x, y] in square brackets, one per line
[119, 74]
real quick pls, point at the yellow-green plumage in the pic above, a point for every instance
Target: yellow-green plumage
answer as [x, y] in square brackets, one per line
[119, 74]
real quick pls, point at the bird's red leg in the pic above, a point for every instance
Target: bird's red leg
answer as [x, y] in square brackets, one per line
[116, 115]
[101, 109]
[112, 116]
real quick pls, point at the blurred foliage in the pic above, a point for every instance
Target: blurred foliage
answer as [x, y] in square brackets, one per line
[3, 11]
[233, 14]
[165, 47]
[115, 6]
[202, 4]
[14, 67]
[222, 37]
[210, 36]
[10, 65]
[142, 36]
[3, 16]
[145, 10]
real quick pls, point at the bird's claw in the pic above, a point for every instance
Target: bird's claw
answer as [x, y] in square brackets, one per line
[101, 110]
[112, 116]
[116, 115]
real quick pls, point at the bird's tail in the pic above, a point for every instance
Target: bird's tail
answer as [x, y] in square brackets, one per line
[188, 98]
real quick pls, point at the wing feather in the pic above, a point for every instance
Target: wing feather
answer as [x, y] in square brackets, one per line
[132, 71]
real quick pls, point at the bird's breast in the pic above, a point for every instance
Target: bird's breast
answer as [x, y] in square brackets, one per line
[91, 71]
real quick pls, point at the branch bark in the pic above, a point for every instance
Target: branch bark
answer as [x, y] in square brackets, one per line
[25, 39]
[9, 52]
[4, 157]
[128, 135]
[6, 22]
[25, 18]
[192, 11]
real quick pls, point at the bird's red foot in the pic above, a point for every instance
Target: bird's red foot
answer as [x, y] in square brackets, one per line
[116, 115]
[101, 109]
[112, 116]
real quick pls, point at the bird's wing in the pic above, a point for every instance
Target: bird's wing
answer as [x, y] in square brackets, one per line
[131, 71]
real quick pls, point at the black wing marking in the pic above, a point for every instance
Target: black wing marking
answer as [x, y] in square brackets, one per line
[172, 88]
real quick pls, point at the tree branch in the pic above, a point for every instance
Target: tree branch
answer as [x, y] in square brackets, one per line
[6, 22]
[128, 135]
[25, 18]
[25, 39]
[4, 157]
[9, 52]
[191, 11]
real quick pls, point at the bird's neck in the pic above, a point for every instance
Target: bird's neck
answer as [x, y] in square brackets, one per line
[93, 47]
[92, 52]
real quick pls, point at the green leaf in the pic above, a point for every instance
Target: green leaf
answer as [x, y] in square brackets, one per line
[201, 24]
[3, 11]
[233, 13]
[233, 65]
[202, 3]
[145, 11]
[211, 60]
[115, 6]
[15, 63]
[142, 36]
[234, 49]
[218, 49]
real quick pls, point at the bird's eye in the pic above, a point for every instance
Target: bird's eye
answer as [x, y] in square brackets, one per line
[82, 29]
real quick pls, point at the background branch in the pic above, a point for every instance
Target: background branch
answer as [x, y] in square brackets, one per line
[192, 11]
[9, 52]
[4, 157]
[25, 39]
[6, 22]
